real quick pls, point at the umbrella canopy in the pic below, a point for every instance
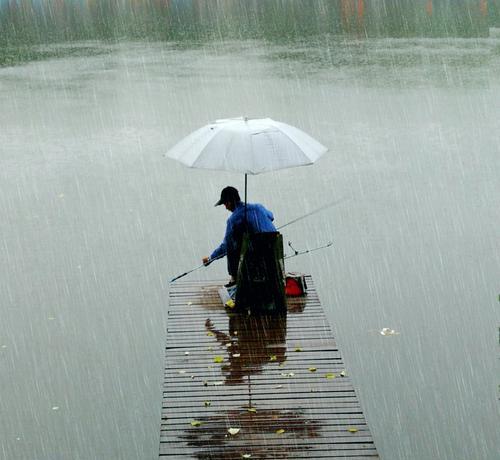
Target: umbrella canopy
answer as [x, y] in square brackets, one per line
[249, 146]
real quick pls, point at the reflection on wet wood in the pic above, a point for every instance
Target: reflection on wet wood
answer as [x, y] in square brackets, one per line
[279, 381]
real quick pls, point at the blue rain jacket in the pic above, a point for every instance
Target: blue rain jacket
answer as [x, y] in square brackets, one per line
[259, 220]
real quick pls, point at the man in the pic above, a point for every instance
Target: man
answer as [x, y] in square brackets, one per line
[252, 218]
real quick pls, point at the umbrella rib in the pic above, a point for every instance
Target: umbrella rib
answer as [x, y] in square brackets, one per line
[218, 168]
[300, 150]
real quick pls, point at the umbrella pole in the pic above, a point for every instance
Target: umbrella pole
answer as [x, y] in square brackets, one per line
[246, 200]
[246, 189]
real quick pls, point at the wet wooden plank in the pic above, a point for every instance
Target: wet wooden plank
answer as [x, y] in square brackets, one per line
[258, 374]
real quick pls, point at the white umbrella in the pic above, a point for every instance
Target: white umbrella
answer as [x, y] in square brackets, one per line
[246, 145]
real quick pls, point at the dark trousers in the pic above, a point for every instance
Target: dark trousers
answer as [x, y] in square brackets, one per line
[233, 259]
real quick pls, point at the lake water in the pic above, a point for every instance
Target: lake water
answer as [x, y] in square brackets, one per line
[95, 222]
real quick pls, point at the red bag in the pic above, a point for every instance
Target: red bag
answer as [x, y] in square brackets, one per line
[295, 284]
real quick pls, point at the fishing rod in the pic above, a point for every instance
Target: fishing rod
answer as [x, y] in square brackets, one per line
[196, 268]
[296, 253]
[326, 206]
[299, 253]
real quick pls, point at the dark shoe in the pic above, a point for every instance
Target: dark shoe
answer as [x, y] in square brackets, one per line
[230, 284]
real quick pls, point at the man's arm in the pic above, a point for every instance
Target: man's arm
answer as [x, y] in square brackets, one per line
[221, 251]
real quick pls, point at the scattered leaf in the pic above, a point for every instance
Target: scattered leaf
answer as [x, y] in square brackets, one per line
[278, 386]
[193, 377]
[230, 303]
[218, 359]
[252, 409]
[229, 345]
[233, 431]
[210, 348]
[287, 374]
[330, 375]
[343, 374]
[235, 332]
[312, 369]
[210, 334]
[182, 372]
[298, 349]
[195, 423]
[236, 355]
[280, 431]
[207, 403]
[218, 383]
[246, 455]
[190, 303]
[388, 331]
[352, 429]
[273, 358]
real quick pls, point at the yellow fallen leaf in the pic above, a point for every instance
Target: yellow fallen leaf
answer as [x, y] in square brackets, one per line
[230, 303]
[196, 423]
[352, 429]
[273, 358]
[210, 334]
[312, 369]
[210, 348]
[280, 431]
[330, 375]
[208, 403]
[233, 431]
[218, 359]
[252, 409]
[298, 349]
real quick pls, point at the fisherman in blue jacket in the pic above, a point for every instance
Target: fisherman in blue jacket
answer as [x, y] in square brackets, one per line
[255, 219]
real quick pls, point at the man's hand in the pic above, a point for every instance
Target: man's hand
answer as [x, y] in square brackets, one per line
[206, 261]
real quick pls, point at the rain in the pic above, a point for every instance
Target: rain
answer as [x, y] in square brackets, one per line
[398, 223]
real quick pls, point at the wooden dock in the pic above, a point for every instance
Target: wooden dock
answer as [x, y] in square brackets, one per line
[239, 386]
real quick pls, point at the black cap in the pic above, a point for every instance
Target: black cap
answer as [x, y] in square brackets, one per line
[228, 194]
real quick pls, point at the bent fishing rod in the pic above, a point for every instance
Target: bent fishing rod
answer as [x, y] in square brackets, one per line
[306, 251]
[322, 208]
[328, 205]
